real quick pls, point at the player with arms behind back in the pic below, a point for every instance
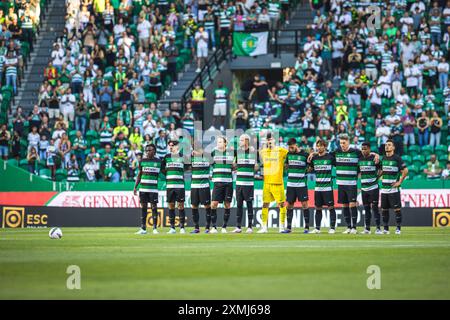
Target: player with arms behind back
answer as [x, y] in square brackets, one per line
[200, 189]
[322, 163]
[222, 178]
[346, 160]
[370, 192]
[297, 188]
[393, 173]
[173, 167]
[273, 159]
[147, 181]
[245, 178]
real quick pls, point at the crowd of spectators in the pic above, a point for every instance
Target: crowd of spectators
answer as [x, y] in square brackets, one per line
[97, 107]
[19, 20]
[370, 81]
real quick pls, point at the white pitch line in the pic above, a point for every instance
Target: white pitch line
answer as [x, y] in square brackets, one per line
[395, 245]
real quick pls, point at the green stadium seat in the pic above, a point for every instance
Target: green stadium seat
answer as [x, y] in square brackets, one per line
[110, 69]
[91, 135]
[413, 150]
[116, 106]
[151, 97]
[418, 159]
[95, 143]
[412, 172]
[72, 135]
[60, 175]
[23, 163]
[13, 162]
[312, 139]
[407, 159]
[442, 158]
[416, 168]
[441, 149]
[370, 129]
[426, 151]
[45, 173]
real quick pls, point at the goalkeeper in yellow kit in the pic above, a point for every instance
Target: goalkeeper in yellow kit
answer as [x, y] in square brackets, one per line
[273, 159]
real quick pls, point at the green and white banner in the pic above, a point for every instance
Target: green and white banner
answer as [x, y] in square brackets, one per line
[250, 44]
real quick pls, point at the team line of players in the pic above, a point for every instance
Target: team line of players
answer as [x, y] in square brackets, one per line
[349, 163]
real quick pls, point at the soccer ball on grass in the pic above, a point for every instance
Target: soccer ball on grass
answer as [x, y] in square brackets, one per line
[55, 233]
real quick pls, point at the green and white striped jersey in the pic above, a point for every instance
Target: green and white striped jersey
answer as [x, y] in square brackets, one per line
[347, 167]
[150, 172]
[27, 23]
[200, 172]
[220, 95]
[245, 167]
[297, 169]
[323, 166]
[369, 173]
[274, 9]
[173, 167]
[224, 20]
[370, 64]
[11, 69]
[391, 168]
[435, 28]
[209, 20]
[222, 165]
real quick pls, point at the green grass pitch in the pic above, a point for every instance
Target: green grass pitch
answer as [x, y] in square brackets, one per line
[116, 264]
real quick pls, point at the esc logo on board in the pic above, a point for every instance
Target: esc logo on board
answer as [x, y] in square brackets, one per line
[16, 217]
[441, 217]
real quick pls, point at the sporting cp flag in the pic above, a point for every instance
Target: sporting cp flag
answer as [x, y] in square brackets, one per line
[250, 44]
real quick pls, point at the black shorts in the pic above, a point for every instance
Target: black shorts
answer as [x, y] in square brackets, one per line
[200, 196]
[224, 32]
[294, 193]
[148, 197]
[245, 193]
[347, 194]
[323, 198]
[337, 62]
[222, 192]
[370, 197]
[175, 195]
[391, 201]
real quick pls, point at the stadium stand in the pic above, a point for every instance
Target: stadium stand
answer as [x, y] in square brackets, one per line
[114, 63]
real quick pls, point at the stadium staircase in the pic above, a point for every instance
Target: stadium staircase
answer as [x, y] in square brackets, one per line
[51, 28]
[301, 17]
